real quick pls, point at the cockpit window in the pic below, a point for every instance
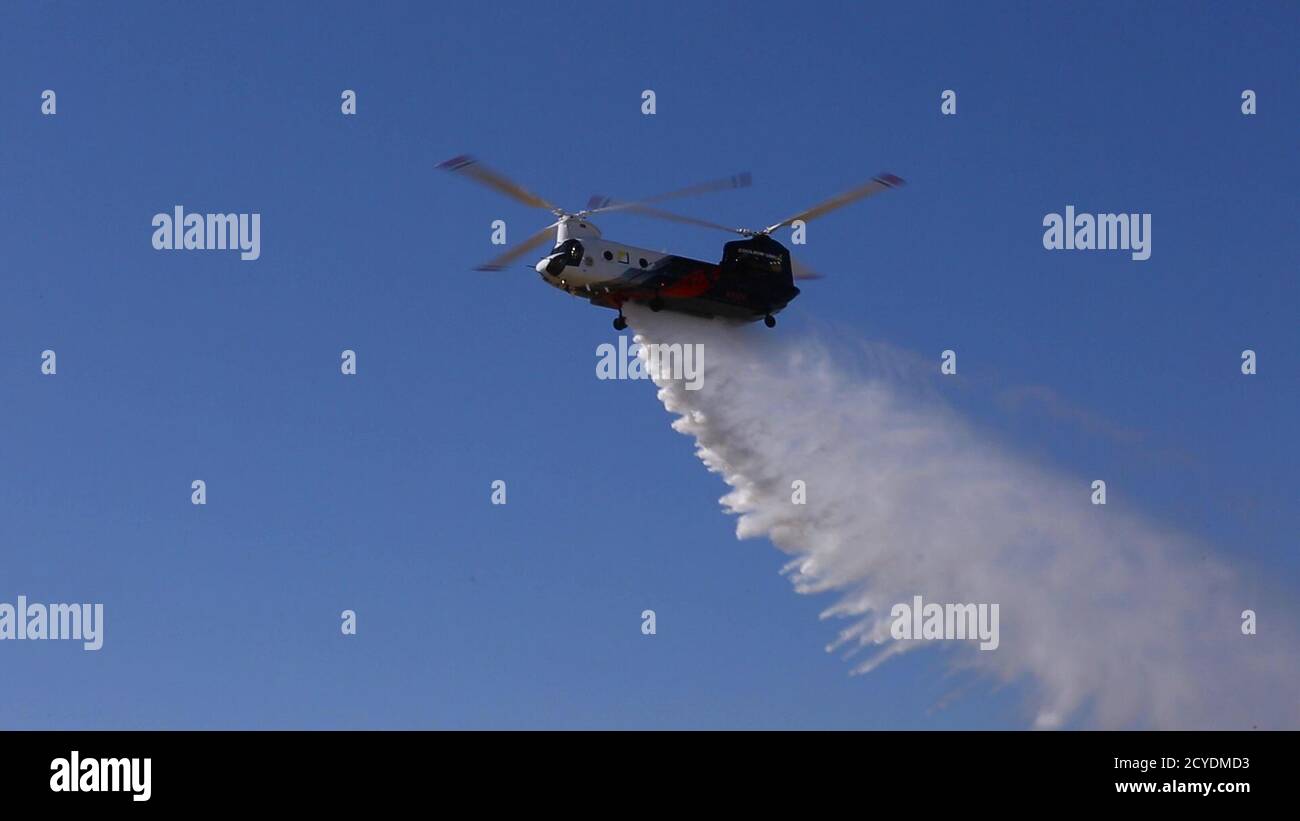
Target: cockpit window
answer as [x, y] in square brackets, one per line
[571, 249]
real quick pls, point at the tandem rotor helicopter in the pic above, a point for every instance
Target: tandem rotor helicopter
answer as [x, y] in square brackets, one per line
[754, 280]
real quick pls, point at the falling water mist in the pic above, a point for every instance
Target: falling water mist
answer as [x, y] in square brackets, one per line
[1108, 619]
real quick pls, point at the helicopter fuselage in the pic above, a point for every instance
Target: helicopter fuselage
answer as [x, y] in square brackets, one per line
[752, 281]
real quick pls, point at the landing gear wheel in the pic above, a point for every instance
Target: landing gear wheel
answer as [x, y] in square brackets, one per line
[620, 322]
[769, 321]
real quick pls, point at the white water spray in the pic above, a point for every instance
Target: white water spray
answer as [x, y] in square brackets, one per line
[1111, 619]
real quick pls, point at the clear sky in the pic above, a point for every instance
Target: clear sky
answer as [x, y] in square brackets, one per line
[371, 492]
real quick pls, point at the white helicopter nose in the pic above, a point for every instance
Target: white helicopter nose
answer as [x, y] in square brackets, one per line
[540, 267]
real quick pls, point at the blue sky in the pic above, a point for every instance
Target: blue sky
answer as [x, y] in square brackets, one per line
[372, 492]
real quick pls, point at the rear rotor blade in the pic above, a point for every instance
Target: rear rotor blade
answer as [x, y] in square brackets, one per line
[467, 166]
[598, 204]
[501, 262]
[659, 213]
[881, 183]
[802, 271]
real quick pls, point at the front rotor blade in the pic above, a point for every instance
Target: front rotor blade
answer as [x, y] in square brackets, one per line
[518, 251]
[467, 166]
[881, 183]
[599, 204]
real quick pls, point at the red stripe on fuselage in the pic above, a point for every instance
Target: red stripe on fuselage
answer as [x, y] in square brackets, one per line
[694, 284]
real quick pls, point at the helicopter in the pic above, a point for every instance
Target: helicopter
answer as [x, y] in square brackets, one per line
[754, 280]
